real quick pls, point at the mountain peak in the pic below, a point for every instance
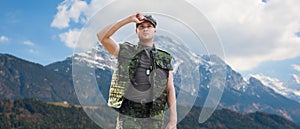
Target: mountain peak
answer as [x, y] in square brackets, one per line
[294, 83]
[256, 82]
[290, 88]
[23, 79]
[295, 78]
[7, 58]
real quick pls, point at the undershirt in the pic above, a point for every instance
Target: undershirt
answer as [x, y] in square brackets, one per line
[141, 90]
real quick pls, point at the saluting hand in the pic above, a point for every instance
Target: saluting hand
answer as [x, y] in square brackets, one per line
[137, 18]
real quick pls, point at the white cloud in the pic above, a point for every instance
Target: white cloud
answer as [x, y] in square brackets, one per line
[251, 31]
[33, 51]
[70, 38]
[75, 11]
[69, 10]
[31, 47]
[296, 67]
[94, 6]
[28, 43]
[3, 38]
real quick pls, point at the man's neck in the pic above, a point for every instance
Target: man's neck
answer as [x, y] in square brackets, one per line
[149, 44]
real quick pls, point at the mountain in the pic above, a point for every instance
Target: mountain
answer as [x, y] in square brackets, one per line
[34, 114]
[97, 63]
[97, 58]
[289, 89]
[239, 94]
[228, 119]
[249, 95]
[22, 79]
[294, 83]
[194, 77]
[31, 113]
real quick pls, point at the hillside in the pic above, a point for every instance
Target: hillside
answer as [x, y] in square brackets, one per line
[31, 113]
[228, 119]
[23, 79]
[34, 114]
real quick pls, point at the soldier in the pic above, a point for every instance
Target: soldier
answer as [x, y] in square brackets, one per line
[142, 83]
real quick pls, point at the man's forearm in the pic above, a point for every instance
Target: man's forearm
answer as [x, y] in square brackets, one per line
[171, 98]
[108, 31]
[105, 34]
[172, 105]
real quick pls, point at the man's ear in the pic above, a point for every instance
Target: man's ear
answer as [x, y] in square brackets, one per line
[136, 30]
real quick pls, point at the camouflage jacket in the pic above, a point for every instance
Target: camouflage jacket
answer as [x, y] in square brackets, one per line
[128, 59]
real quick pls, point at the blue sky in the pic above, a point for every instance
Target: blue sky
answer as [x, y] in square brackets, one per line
[282, 70]
[258, 36]
[26, 26]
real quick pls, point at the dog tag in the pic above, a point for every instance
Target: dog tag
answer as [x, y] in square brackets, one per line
[148, 72]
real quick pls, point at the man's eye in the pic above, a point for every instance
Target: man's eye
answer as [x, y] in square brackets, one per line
[142, 27]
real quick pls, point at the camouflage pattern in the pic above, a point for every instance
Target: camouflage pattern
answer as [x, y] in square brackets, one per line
[120, 78]
[127, 122]
[128, 59]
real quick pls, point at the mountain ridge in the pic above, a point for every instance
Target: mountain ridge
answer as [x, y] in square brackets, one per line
[239, 95]
[23, 79]
[289, 89]
[32, 113]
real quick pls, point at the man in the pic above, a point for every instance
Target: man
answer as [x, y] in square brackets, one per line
[143, 82]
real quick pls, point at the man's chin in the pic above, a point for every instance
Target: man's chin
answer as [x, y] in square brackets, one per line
[146, 38]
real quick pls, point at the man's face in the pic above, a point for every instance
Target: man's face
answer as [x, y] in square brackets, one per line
[145, 31]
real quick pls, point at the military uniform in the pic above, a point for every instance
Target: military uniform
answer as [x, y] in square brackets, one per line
[140, 113]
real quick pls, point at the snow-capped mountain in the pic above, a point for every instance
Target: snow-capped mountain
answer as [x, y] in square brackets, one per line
[194, 77]
[294, 82]
[23, 79]
[97, 57]
[290, 88]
